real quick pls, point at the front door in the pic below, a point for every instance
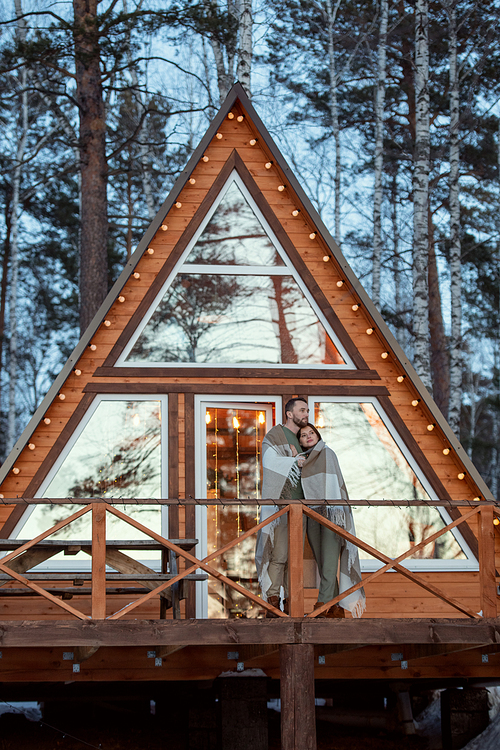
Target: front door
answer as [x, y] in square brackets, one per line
[230, 435]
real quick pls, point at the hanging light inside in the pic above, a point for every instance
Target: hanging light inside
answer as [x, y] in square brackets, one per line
[236, 423]
[320, 422]
[208, 417]
[262, 417]
[136, 420]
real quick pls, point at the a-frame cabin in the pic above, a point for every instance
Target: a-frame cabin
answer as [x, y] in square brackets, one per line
[237, 299]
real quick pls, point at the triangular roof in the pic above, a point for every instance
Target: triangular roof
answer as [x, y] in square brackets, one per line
[377, 358]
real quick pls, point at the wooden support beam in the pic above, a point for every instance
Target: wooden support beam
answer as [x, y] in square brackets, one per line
[165, 651]
[487, 573]
[82, 653]
[298, 714]
[296, 561]
[99, 561]
[30, 558]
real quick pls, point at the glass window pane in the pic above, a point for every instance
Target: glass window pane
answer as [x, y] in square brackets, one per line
[117, 455]
[234, 236]
[374, 467]
[236, 320]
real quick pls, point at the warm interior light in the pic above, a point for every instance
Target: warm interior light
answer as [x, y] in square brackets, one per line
[208, 417]
[218, 136]
[164, 227]
[446, 451]
[400, 378]
[236, 423]
[136, 420]
[192, 181]
[205, 158]
[461, 475]
[384, 355]
[230, 116]
[150, 251]
[415, 402]
[370, 331]
[340, 283]
[121, 298]
[262, 417]
[178, 204]
[430, 427]
[320, 422]
[31, 446]
[47, 420]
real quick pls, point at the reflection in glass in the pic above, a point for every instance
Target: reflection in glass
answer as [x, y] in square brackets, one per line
[234, 439]
[234, 236]
[117, 455]
[375, 468]
[236, 320]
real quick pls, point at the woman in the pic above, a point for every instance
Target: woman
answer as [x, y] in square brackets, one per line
[322, 479]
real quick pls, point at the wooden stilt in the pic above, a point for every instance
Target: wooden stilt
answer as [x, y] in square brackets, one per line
[298, 717]
[487, 562]
[99, 561]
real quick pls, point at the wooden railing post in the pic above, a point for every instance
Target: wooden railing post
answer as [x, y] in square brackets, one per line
[487, 562]
[295, 561]
[99, 561]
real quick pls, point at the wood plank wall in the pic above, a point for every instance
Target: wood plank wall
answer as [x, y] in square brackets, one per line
[32, 464]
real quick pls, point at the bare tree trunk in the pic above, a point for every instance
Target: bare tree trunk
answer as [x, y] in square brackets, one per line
[244, 66]
[93, 166]
[421, 195]
[396, 261]
[379, 151]
[14, 248]
[439, 350]
[334, 114]
[455, 243]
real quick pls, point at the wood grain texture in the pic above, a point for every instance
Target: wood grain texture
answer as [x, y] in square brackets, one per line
[296, 561]
[487, 562]
[99, 561]
[236, 372]
[298, 718]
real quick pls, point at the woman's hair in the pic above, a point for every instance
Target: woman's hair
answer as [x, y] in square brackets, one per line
[313, 427]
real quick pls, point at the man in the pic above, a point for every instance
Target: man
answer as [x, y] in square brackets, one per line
[281, 480]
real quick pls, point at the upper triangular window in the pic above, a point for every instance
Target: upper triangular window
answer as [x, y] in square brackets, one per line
[234, 298]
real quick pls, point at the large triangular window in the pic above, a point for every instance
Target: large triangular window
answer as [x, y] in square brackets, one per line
[235, 299]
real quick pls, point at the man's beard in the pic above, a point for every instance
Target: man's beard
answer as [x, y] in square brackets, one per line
[300, 421]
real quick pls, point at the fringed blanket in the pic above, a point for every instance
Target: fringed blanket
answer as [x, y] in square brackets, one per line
[322, 480]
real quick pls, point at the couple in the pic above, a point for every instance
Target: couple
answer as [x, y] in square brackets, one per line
[298, 465]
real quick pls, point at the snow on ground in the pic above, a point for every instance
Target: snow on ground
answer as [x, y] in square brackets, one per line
[30, 709]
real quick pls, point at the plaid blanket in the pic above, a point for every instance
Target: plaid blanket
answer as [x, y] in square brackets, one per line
[322, 480]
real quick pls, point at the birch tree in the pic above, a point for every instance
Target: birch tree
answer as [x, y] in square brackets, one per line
[421, 195]
[379, 151]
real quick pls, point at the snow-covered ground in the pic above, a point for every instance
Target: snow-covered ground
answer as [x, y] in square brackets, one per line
[30, 709]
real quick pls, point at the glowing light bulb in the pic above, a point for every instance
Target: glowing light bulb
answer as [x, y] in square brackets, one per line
[121, 298]
[430, 427]
[208, 417]
[281, 188]
[253, 141]
[205, 158]
[326, 258]
[262, 417]
[320, 421]
[340, 283]
[295, 212]
[355, 307]
[178, 204]
[461, 475]
[47, 420]
[240, 118]
[150, 251]
[137, 275]
[31, 446]
[415, 402]
[92, 347]
[78, 372]
[236, 423]
[230, 116]
[62, 396]
[192, 181]
[164, 227]
[496, 521]
[107, 323]
[136, 420]
[15, 470]
[369, 331]
[400, 378]
[477, 499]
[312, 236]
[446, 451]
[268, 164]
[218, 136]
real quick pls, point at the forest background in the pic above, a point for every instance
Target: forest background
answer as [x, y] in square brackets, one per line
[388, 111]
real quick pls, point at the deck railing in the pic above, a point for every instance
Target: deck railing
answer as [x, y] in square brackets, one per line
[20, 556]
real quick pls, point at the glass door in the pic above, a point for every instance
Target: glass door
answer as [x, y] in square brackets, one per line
[230, 468]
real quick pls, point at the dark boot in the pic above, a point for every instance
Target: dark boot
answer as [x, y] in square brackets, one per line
[275, 602]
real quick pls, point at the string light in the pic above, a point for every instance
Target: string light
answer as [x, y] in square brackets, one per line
[253, 141]
[47, 420]
[355, 307]
[137, 275]
[218, 136]
[369, 331]
[107, 323]
[461, 475]
[281, 188]
[236, 423]
[446, 451]
[296, 212]
[15, 470]
[320, 421]
[230, 116]
[326, 258]
[31, 446]
[164, 227]
[340, 283]
[477, 499]
[192, 181]
[136, 420]
[384, 355]
[262, 417]
[178, 204]
[92, 347]
[430, 427]
[150, 251]
[496, 521]
[312, 236]
[268, 164]
[62, 396]
[205, 158]
[240, 118]
[415, 402]
[400, 378]
[77, 372]
[208, 417]
[121, 298]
